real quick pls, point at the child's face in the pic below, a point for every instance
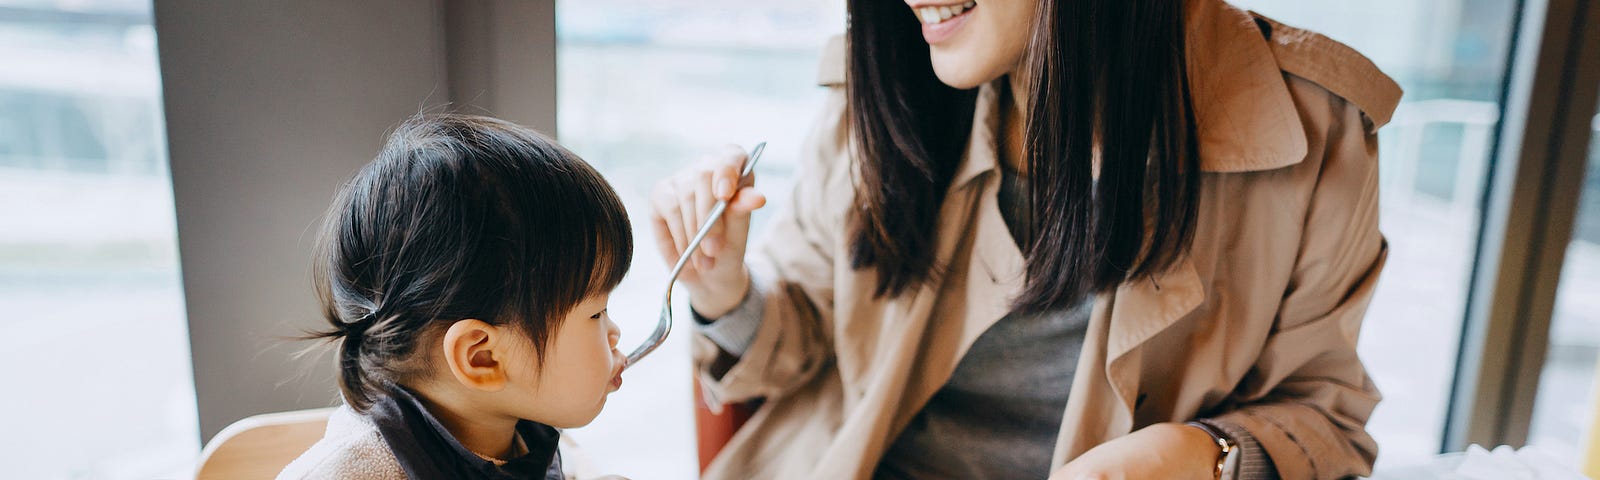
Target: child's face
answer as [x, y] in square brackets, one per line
[581, 368]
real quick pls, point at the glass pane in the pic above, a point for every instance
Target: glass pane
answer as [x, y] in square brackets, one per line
[1449, 55]
[93, 319]
[719, 71]
[1564, 411]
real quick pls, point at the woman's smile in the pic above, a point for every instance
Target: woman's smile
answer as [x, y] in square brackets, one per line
[941, 21]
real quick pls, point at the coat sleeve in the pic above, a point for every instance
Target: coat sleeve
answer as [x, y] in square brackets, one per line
[794, 263]
[1308, 396]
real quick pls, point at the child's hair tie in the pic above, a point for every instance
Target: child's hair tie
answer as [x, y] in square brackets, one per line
[354, 330]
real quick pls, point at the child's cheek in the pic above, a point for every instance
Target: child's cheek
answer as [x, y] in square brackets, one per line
[602, 356]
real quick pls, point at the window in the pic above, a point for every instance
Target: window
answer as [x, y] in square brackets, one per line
[1450, 57]
[94, 322]
[719, 72]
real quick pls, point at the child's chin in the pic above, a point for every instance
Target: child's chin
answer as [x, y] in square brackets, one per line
[566, 425]
[584, 420]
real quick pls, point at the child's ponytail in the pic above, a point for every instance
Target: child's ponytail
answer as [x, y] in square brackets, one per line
[355, 383]
[353, 379]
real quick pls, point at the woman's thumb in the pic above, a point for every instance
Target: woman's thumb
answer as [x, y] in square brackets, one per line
[738, 216]
[747, 200]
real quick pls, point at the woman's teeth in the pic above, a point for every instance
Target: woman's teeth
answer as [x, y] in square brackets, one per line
[932, 15]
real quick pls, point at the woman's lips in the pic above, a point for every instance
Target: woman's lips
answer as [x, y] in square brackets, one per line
[936, 27]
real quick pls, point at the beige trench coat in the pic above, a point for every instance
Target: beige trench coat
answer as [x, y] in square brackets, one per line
[1257, 327]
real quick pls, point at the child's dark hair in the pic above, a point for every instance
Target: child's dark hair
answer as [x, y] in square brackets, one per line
[461, 217]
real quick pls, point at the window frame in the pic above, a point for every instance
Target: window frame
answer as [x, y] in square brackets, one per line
[1530, 209]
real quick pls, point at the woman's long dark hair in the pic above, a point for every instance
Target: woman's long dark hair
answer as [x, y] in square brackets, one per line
[1106, 75]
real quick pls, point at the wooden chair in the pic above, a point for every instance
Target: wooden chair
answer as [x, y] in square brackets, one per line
[1589, 457]
[260, 446]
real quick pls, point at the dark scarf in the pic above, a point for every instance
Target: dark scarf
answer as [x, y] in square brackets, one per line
[427, 451]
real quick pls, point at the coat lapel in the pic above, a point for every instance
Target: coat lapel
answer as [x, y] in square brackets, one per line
[983, 267]
[1147, 306]
[1143, 309]
[1105, 391]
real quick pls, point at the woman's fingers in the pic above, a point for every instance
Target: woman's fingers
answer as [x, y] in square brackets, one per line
[705, 199]
[737, 220]
[748, 200]
[688, 201]
[680, 205]
[725, 171]
[725, 182]
[664, 209]
[667, 247]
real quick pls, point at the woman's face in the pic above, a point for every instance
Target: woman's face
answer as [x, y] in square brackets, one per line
[974, 42]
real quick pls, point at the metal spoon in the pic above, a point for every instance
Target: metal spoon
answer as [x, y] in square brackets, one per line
[664, 325]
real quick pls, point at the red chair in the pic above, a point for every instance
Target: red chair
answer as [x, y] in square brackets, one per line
[713, 430]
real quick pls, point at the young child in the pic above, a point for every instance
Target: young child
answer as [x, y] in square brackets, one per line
[465, 274]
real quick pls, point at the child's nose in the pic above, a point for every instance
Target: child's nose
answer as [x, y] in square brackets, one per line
[614, 333]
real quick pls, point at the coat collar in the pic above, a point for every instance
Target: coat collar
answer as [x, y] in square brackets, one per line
[1244, 116]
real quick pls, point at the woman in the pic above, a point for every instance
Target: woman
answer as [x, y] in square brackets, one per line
[1066, 239]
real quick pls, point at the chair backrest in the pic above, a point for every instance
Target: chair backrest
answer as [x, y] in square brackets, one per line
[260, 446]
[714, 428]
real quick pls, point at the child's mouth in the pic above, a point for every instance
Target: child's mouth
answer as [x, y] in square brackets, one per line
[616, 378]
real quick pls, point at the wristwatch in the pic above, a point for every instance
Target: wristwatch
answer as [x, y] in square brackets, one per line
[1228, 450]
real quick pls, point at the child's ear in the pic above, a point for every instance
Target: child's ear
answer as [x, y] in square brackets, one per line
[473, 352]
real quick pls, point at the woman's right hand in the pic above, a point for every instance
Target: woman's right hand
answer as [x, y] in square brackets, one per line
[715, 275]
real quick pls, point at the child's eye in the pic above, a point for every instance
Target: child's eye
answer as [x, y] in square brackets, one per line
[598, 315]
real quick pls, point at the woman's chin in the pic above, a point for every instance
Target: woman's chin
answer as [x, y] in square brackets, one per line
[961, 74]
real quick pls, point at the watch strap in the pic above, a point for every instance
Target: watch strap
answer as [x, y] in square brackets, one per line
[1227, 449]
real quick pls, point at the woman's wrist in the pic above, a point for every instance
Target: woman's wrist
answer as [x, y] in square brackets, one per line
[1210, 442]
[1226, 447]
[715, 299]
[1201, 446]
[1162, 450]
